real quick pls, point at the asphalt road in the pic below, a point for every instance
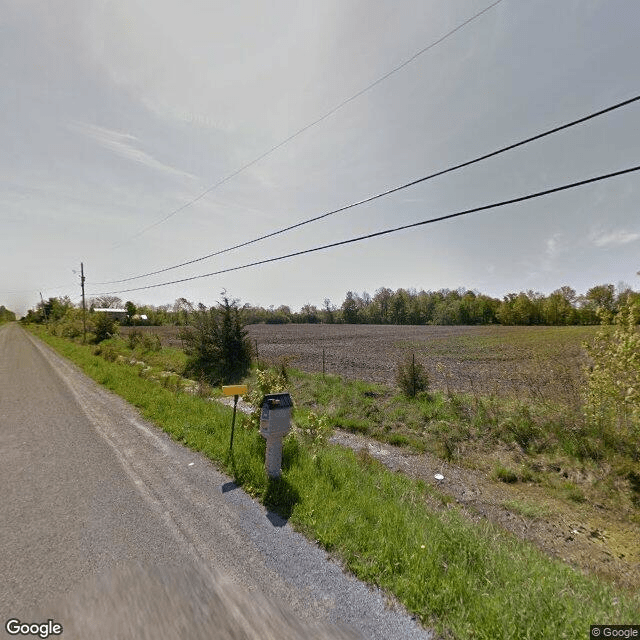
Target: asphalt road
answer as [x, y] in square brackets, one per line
[112, 530]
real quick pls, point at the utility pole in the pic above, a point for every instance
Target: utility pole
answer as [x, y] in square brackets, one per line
[44, 309]
[84, 308]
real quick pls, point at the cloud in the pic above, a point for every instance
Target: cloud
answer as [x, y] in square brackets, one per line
[554, 245]
[126, 146]
[613, 238]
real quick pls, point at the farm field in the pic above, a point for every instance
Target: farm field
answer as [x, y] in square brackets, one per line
[543, 363]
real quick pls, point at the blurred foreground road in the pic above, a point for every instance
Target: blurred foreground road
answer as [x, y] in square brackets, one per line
[112, 530]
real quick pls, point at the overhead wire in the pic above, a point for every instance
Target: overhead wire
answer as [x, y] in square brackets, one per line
[38, 289]
[310, 125]
[382, 194]
[376, 234]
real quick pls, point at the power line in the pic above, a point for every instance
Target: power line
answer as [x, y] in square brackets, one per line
[38, 289]
[376, 234]
[314, 123]
[384, 193]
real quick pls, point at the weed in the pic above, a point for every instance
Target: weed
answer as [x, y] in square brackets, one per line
[366, 460]
[151, 343]
[109, 353]
[634, 484]
[527, 509]
[398, 439]
[266, 381]
[134, 339]
[504, 474]
[203, 389]
[282, 369]
[573, 492]
[316, 432]
[449, 447]
[522, 427]
[355, 425]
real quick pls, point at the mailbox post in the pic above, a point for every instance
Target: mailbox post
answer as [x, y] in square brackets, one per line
[234, 390]
[275, 423]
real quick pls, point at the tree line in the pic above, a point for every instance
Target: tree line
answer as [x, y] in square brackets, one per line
[6, 315]
[457, 307]
[564, 306]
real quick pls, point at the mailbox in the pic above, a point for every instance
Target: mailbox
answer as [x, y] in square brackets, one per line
[275, 423]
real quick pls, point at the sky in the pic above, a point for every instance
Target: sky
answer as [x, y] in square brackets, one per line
[116, 116]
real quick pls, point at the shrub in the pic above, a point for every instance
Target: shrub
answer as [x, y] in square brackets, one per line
[134, 339]
[70, 325]
[412, 377]
[317, 432]
[282, 367]
[217, 345]
[613, 381]
[267, 381]
[109, 353]
[104, 327]
[71, 329]
[151, 343]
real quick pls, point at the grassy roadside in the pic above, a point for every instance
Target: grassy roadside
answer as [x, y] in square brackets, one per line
[513, 440]
[468, 581]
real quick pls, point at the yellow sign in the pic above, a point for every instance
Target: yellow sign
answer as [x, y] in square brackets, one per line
[234, 390]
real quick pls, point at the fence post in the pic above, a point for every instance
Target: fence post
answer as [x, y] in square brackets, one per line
[413, 373]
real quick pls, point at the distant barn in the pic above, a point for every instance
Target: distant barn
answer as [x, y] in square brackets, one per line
[116, 314]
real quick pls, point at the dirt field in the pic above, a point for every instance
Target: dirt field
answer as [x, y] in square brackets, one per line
[538, 362]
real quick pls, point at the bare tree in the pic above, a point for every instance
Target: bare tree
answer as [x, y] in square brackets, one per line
[108, 302]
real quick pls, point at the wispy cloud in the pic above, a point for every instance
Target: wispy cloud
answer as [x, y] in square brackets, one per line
[613, 238]
[126, 146]
[554, 245]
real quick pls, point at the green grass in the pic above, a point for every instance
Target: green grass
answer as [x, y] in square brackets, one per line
[482, 431]
[469, 580]
[429, 418]
[505, 475]
[162, 359]
[528, 509]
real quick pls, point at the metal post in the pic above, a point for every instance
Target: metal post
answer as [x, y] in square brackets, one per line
[323, 362]
[233, 421]
[413, 373]
[257, 354]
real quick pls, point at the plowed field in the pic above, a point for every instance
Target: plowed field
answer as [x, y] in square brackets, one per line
[539, 362]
